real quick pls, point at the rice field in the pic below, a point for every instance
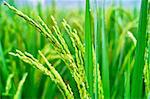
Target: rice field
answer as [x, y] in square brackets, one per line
[95, 51]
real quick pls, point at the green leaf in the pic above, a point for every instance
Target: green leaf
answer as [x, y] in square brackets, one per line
[137, 80]
[105, 63]
[88, 49]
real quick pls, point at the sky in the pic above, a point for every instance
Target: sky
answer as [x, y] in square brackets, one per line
[77, 3]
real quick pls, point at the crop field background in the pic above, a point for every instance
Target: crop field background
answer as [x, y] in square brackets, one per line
[75, 49]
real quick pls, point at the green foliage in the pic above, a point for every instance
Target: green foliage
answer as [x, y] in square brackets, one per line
[19, 89]
[8, 85]
[88, 49]
[61, 48]
[93, 54]
[105, 63]
[140, 50]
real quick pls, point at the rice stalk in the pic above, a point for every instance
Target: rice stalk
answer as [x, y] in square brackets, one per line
[100, 85]
[78, 46]
[105, 63]
[97, 50]
[125, 66]
[147, 73]
[136, 92]
[67, 57]
[8, 85]
[100, 92]
[147, 63]
[121, 39]
[4, 71]
[60, 47]
[75, 37]
[20, 87]
[88, 49]
[76, 41]
[52, 73]
[127, 80]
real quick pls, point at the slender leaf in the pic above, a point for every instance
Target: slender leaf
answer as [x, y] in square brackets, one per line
[88, 48]
[97, 47]
[136, 92]
[105, 64]
[20, 87]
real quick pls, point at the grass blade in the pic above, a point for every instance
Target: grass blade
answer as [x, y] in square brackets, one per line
[20, 86]
[4, 71]
[8, 85]
[127, 81]
[139, 56]
[105, 64]
[147, 70]
[88, 49]
[97, 49]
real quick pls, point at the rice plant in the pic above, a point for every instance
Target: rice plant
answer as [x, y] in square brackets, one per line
[100, 53]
